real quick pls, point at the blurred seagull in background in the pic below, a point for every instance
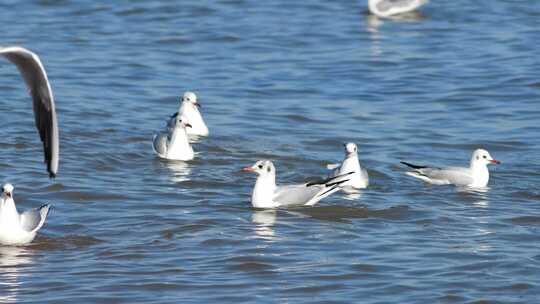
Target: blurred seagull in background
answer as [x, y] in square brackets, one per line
[390, 8]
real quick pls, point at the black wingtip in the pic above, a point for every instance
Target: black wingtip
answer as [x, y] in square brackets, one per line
[52, 175]
[413, 166]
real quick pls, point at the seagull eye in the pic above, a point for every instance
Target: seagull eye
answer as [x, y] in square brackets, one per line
[260, 166]
[485, 156]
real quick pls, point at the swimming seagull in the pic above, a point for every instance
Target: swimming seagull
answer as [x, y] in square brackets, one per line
[476, 176]
[189, 108]
[266, 194]
[389, 8]
[357, 180]
[15, 228]
[173, 143]
[39, 88]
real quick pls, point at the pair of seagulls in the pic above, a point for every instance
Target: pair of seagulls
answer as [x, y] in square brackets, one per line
[173, 142]
[350, 176]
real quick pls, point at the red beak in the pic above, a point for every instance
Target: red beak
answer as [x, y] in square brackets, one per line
[495, 162]
[247, 169]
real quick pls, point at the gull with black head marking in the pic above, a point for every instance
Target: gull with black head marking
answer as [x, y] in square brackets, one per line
[359, 178]
[475, 176]
[15, 228]
[189, 108]
[266, 194]
[173, 143]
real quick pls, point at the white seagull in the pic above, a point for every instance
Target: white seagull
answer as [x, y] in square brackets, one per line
[173, 143]
[357, 180]
[15, 228]
[189, 108]
[266, 194]
[389, 8]
[476, 175]
[39, 88]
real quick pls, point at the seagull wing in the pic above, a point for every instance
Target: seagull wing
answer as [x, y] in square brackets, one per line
[39, 88]
[160, 144]
[32, 220]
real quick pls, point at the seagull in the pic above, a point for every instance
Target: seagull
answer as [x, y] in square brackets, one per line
[15, 228]
[189, 108]
[173, 144]
[389, 8]
[476, 176]
[267, 195]
[357, 180]
[39, 88]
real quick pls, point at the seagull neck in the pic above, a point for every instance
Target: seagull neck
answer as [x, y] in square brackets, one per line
[263, 192]
[7, 207]
[350, 163]
[480, 174]
[179, 137]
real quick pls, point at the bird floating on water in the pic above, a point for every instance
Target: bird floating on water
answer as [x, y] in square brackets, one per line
[15, 228]
[357, 180]
[189, 108]
[475, 176]
[266, 194]
[390, 8]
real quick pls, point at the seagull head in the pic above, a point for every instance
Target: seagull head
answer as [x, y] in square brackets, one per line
[191, 99]
[261, 167]
[182, 121]
[350, 149]
[481, 156]
[7, 190]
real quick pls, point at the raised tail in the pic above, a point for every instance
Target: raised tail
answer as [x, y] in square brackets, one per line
[335, 180]
[413, 166]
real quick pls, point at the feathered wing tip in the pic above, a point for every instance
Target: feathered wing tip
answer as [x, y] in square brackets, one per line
[413, 166]
[43, 212]
[331, 185]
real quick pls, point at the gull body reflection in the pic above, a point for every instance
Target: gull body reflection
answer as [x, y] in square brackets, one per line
[264, 220]
[12, 258]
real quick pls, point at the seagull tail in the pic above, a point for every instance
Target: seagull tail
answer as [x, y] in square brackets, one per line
[413, 166]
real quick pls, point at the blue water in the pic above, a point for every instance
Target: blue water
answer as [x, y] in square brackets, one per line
[289, 81]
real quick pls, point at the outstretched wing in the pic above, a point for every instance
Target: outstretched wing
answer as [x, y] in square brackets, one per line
[39, 88]
[32, 220]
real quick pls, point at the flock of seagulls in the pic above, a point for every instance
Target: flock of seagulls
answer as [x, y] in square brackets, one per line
[174, 143]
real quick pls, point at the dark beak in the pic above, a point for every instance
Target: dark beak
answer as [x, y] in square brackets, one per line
[197, 104]
[8, 194]
[188, 125]
[495, 162]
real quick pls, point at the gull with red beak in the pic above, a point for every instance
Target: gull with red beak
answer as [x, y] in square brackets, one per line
[173, 143]
[357, 180]
[15, 228]
[189, 108]
[266, 194]
[475, 176]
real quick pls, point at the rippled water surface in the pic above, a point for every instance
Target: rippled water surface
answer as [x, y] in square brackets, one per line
[290, 81]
